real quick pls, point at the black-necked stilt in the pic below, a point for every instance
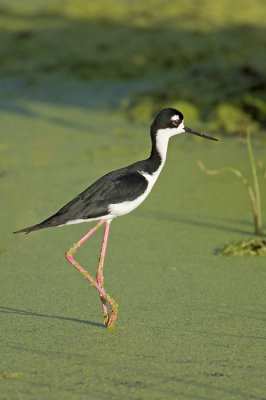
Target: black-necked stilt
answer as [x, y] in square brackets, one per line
[117, 193]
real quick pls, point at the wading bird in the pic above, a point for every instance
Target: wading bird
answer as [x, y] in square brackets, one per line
[117, 193]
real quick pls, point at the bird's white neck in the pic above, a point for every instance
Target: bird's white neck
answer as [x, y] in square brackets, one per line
[162, 138]
[161, 144]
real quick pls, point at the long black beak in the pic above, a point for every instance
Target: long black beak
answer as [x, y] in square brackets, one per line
[198, 134]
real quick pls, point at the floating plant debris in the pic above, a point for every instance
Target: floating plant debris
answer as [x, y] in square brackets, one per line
[247, 247]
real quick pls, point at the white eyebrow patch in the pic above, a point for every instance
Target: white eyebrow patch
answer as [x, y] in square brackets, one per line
[175, 118]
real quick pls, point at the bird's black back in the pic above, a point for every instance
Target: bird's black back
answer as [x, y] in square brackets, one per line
[124, 184]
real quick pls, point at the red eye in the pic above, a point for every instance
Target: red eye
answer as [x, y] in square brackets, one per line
[176, 122]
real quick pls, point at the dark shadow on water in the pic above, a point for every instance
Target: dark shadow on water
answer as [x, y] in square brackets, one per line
[212, 225]
[224, 224]
[9, 310]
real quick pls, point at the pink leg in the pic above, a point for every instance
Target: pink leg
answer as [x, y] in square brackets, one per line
[99, 275]
[109, 321]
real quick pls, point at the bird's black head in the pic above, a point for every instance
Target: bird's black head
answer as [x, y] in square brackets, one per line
[170, 122]
[168, 118]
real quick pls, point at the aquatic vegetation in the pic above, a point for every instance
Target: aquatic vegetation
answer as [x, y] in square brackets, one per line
[191, 52]
[253, 191]
[247, 247]
[232, 120]
[8, 375]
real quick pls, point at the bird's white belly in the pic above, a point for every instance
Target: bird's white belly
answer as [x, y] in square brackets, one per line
[126, 207]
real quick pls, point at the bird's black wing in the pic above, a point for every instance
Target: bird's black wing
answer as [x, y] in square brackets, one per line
[115, 187]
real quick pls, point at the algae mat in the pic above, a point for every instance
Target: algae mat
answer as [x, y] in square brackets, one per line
[191, 323]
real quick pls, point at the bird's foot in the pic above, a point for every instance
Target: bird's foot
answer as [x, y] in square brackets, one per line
[113, 313]
[105, 309]
[105, 318]
[111, 321]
